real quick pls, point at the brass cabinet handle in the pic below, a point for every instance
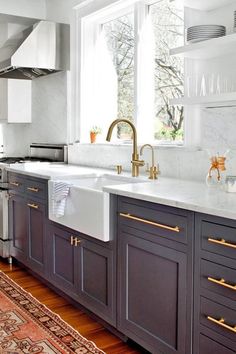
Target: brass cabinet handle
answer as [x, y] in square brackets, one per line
[222, 283]
[221, 242]
[148, 222]
[74, 241]
[77, 242]
[221, 323]
[32, 189]
[33, 206]
[15, 184]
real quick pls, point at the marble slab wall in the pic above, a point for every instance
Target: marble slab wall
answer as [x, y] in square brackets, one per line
[49, 125]
[217, 136]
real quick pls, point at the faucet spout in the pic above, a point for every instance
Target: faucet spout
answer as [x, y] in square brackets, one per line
[136, 163]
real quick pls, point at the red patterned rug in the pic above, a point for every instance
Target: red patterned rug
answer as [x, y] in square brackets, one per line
[26, 326]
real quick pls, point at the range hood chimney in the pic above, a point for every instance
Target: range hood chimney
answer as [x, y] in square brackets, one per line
[37, 51]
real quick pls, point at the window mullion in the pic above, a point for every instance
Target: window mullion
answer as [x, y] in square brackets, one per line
[143, 75]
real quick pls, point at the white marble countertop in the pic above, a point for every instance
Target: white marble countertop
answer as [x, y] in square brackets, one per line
[188, 195]
[183, 194]
[52, 170]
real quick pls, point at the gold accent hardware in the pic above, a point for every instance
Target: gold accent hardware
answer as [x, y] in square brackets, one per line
[15, 184]
[148, 222]
[222, 323]
[222, 283]
[153, 170]
[136, 163]
[34, 206]
[221, 242]
[77, 242]
[119, 169]
[32, 189]
[72, 240]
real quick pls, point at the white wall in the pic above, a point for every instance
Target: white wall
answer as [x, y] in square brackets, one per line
[61, 10]
[26, 8]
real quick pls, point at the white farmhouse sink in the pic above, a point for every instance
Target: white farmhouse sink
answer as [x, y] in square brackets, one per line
[88, 207]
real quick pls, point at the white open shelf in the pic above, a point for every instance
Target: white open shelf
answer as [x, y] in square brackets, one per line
[221, 100]
[211, 48]
[207, 5]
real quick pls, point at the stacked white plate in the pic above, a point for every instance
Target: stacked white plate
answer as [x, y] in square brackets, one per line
[204, 32]
[234, 21]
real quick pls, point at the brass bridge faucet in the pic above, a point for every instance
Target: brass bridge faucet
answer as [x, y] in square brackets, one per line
[153, 171]
[136, 163]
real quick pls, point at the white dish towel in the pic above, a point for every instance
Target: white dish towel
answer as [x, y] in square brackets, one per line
[60, 193]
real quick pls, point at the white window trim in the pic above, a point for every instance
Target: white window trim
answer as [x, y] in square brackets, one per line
[92, 8]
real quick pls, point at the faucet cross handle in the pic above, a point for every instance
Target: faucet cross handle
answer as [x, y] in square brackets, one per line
[153, 171]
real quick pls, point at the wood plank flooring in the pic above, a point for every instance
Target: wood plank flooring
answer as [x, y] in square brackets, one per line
[79, 320]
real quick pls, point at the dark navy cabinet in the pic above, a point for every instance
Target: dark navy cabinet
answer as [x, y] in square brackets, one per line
[63, 260]
[215, 285]
[28, 220]
[84, 269]
[154, 272]
[18, 228]
[166, 280]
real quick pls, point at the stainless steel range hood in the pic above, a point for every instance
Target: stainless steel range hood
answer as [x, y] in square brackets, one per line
[37, 51]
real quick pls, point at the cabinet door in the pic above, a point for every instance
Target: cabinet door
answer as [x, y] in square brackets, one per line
[152, 294]
[62, 260]
[36, 235]
[18, 227]
[97, 279]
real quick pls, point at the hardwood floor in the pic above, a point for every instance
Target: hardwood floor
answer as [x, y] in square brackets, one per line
[79, 320]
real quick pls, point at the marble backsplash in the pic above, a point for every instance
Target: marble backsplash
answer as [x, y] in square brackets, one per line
[49, 125]
[217, 136]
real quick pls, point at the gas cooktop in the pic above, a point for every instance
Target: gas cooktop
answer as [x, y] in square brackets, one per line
[12, 160]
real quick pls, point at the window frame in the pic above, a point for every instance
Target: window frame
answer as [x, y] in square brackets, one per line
[95, 16]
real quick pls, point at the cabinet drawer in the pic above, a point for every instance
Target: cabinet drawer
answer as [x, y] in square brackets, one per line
[209, 346]
[219, 239]
[36, 189]
[153, 219]
[16, 183]
[219, 318]
[219, 279]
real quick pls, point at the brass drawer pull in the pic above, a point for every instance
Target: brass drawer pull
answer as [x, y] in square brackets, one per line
[74, 241]
[222, 323]
[222, 283]
[32, 189]
[33, 206]
[222, 242]
[15, 184]
[148, 222]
